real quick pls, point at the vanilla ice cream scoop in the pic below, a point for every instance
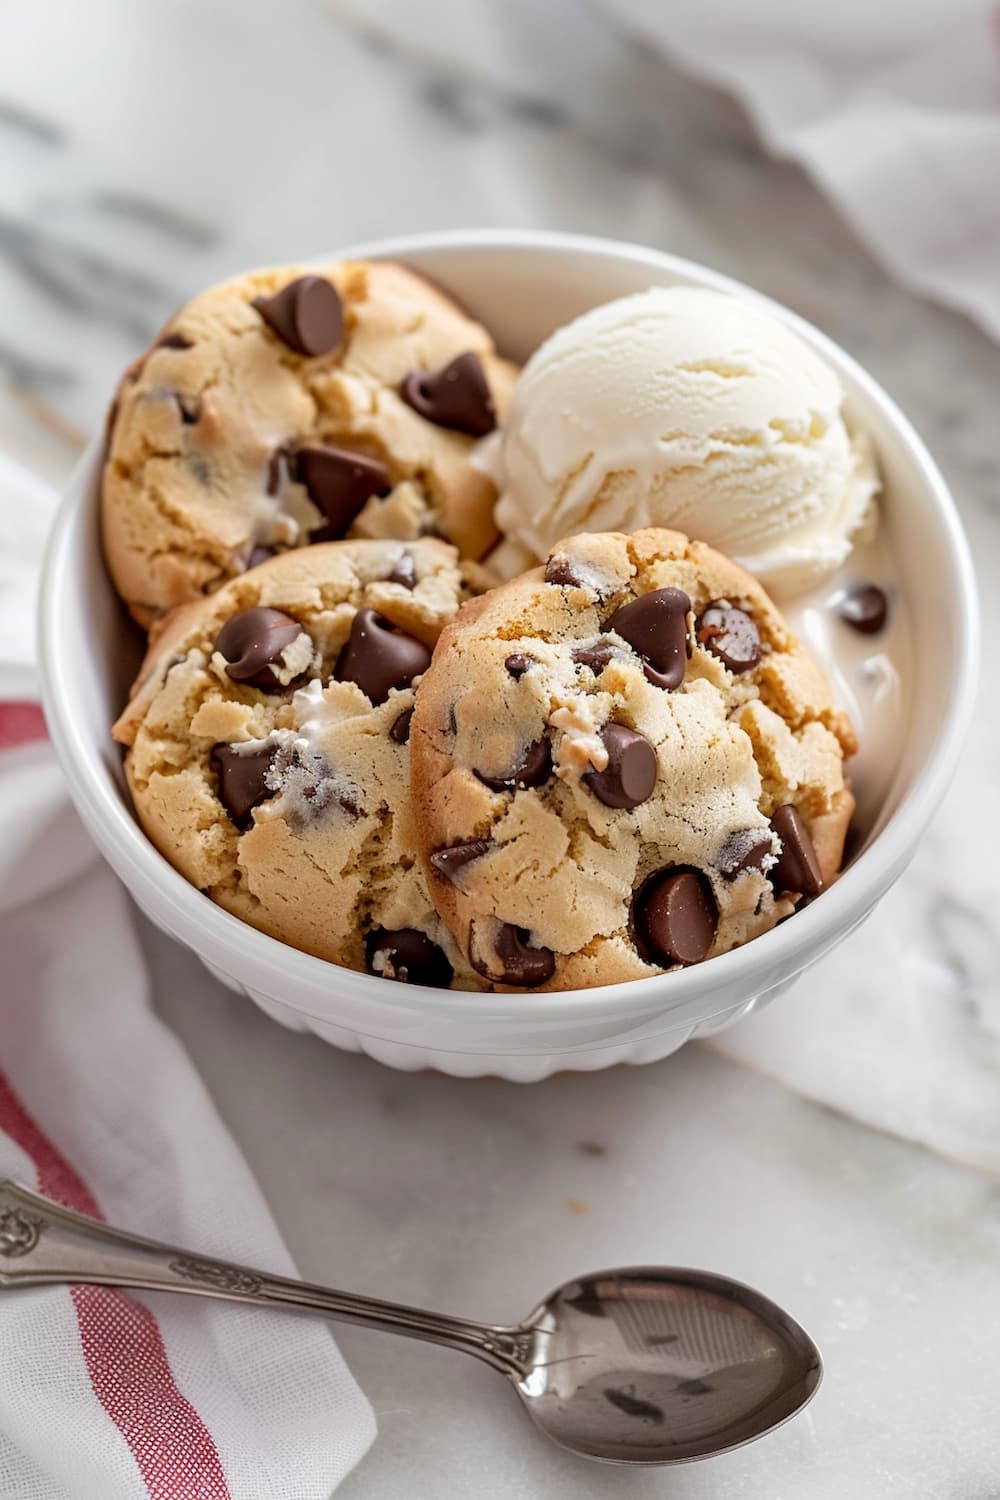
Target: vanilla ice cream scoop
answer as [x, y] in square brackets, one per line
[688, 409]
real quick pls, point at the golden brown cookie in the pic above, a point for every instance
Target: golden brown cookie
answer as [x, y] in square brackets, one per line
[268, 750]
[294, 405]
[623, 762]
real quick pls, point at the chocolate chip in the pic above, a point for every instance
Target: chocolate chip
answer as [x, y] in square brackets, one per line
[522, 963]
[404, 571]
[307, 315]
[174, 341]
[518, 664]
[456, 396]
[630, 774]
[448, 862]
[514, 961]
[798, 869]
[189, 409]
[731, 635]
[562, 570]
[253, 643]
[655, 625]
[400, 731]
[378, 657]
[743, 849]
[675, 916]
[408, 956]
[596, 656]
[277, 471]
[534, 768]
[242, 779]
[865, 608]
[339, 483]
[260, 555]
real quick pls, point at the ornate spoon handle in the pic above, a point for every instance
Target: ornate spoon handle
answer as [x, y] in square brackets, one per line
[42, 1244]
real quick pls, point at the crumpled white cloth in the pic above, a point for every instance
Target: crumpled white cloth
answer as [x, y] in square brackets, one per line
[893, 107]
[103, 1395]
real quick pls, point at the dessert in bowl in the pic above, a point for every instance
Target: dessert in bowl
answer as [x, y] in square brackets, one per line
[523, 287]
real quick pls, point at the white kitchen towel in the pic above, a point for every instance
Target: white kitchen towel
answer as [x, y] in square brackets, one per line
[104, 1395]
[894, 108]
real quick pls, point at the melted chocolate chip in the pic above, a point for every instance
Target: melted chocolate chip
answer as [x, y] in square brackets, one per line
[253, 643]
[798, 869]
[566, 573]
[514, 961]
[448, 862]
[744, 849]
[655, 625]
[174, 341]
[595, 656]
[307, 315]
[378, 657]
[400, 731]
[242, 780]
[260, 555]
[675, 916]
[731, 635]
[277, 471]
[408, 956]
[458, 396]
[865, 609]
[517, 664]
[534, 768]
[339, 483]
[404, 571]
[630, 774]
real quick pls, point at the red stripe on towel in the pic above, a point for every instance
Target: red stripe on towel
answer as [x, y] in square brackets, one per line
[123, 1348]
[21, 724]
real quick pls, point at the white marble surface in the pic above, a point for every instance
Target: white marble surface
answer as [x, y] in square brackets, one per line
[144, 150]
[480, 1196]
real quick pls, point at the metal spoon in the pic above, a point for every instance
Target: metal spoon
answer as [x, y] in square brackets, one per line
[641, 1366]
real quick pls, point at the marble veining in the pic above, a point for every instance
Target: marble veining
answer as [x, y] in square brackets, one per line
[302, 125]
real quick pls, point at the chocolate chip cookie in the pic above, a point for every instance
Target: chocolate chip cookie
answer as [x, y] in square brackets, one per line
[623, 763]
[268, 752]
[291, 406]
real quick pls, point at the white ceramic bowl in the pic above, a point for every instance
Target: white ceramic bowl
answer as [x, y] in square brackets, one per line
[523, 285]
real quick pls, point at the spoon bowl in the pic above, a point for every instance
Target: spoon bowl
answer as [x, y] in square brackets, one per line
[658, 1366]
